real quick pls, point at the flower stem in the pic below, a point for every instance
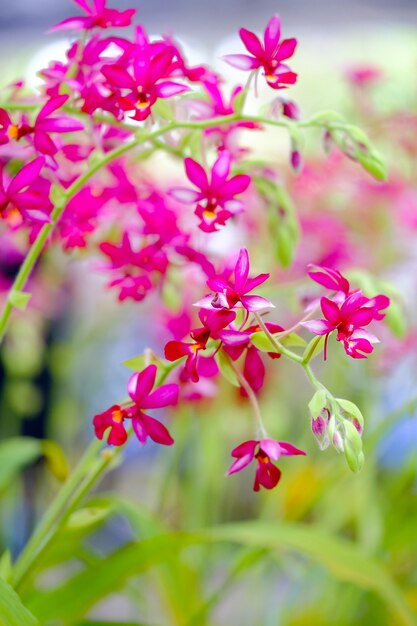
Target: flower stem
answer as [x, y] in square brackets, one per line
[276, 344]
[252, 397]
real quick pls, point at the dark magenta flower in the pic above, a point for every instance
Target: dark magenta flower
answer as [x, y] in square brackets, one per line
[25, 194]
[98, 16]
[140, 390]
[232, 292]
[143, 87]
[42, 126]
[268, 55]
[349, 319]
[213, 322]
[267, 474]
[217, 194]
[112, 420]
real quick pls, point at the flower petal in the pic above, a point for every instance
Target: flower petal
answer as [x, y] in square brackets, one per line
[167, 395]
[242, 61]
[196, 174]
[251, 42]
[141, 383]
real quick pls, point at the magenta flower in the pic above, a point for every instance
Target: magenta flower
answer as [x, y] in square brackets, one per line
[131, 269]
[229, 293]
[22, 193]
[269, 56]
[218, 194]
[145, 85]
[349, 318]
[267, 474]
[140, 390]
[43, 125]
[98, 16]
[213, 323]
[111, 419]
[329, 278]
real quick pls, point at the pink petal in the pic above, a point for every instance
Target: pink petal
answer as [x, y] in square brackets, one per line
[267, 475]
[251, 283]
[52, 105]
[72, 23]
[272, 35]
[286, 49]
[141, 383]
[237, 184]
[167, 395]
[254, 369]
[242, 61]
[26, 176]
[188, 196]
[256, 303]
[330, 311]
[239, 464]
[168, 89]
[220, 172]
[196, 174]
[251, 42]
[242, 269]
[60, 125]
[247, 447]
[318, 327]
[156, 431]
[118, 76]
[271, 447]
[43, 143]
[290, 450]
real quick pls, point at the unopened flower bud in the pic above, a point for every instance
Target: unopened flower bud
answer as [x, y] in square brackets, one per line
[319, 426]
[296, 160]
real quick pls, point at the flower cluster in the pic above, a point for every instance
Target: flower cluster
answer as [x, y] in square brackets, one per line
[80, 167]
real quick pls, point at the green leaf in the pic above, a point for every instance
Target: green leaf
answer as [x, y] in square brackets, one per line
[12, 611]
[6, 565]
[326, 117]
[373, 163]
[19, 299]
[136, 363]
[314, 347]
[343, 558]
[80, 593]
[261, 341]
[351, 409]
[226, 368]
[317, 403]
[55, 459]
[292, 340]
[15, 454]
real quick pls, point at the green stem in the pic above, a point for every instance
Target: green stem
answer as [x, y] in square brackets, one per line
[252, 397]
[55, 510]
[276, 344]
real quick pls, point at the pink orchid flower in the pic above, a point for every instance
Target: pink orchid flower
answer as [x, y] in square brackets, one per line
[230, 293]
[218, 194]
[268, 55]
[267, 474]
[140, 390]
[42, 126]
[22, 194]
[145, 85]
[98, 16]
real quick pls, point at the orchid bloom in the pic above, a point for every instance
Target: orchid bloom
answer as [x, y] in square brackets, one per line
[230, 293]
[213, 323]
[267, 474]
[347, 313]
[218, 194]
[146, 84]
[22, 194]
[42, 126]
[98, 16]
[140, 390]
[269, 55]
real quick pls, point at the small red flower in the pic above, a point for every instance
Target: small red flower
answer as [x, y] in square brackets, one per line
[267, 474]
